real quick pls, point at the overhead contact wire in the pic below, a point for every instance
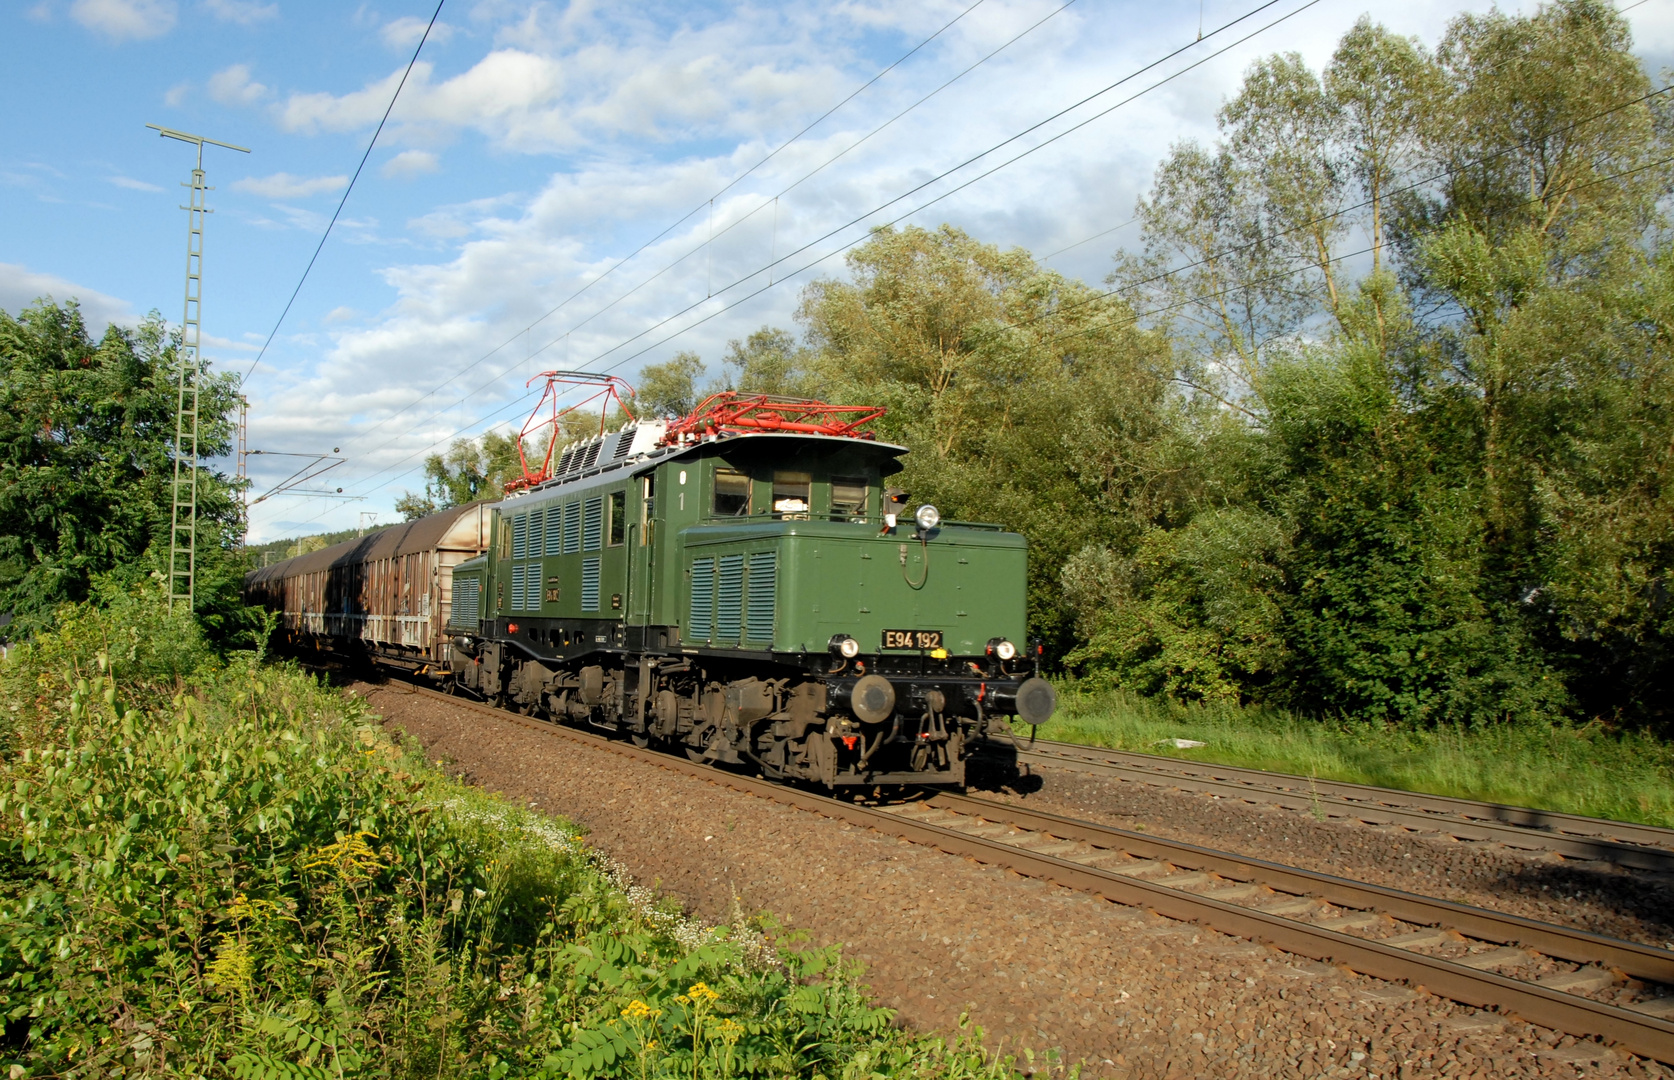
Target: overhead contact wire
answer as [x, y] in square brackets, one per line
[862, 217]
[346, 191]
[683, 219]
[789, 255]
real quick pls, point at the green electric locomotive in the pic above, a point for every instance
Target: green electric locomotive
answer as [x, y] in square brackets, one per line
[746, 586]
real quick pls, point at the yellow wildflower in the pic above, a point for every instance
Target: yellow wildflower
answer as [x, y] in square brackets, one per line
[639, 1010]
[730, 1031]
[702, 993]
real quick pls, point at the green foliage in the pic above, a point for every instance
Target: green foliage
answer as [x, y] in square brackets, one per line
[1571, 768]
[670, 388]
[225, 870]
[86, 433]
[1026, 398]
[471, 469]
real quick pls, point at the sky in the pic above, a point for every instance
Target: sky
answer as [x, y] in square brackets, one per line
[575, 185]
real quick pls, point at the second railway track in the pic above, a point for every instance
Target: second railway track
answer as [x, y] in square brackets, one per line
[1622, 843]
[1577, 982]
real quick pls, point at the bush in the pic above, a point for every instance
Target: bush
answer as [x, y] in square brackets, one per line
[222, 869]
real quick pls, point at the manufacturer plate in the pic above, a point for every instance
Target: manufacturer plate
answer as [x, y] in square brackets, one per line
[912, 639]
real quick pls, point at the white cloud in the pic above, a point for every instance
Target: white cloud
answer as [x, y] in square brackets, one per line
[243, 12]
[20, 287]
[341, 314]
[176, 95]
[131, 184]
[233, 86]
[407, 31]
[285, 186]
[653, 114]
[410, 163]
[120, 19]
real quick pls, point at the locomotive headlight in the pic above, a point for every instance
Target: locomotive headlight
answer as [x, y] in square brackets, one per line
[928, 517]
[844, 645]
[1001, 649]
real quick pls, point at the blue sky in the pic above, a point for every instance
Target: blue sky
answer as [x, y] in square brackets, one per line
[535, 146]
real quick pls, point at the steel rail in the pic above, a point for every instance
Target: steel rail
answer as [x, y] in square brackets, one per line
[1637, 1032]
[1623, 843]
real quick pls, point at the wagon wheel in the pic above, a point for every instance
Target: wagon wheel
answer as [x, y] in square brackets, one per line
[640, 739]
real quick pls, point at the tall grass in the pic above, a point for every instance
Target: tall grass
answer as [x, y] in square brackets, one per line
[1573, 768]
[227, 870]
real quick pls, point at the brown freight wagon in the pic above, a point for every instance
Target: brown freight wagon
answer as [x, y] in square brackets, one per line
[387, 594]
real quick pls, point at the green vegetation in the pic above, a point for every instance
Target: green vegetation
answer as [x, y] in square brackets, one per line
[86, 433]
[1570, 768]
[278, 550]
[224, 869]
[1374, 419]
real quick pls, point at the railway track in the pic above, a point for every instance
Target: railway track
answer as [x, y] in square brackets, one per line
[1640, 847]
[1580, 983]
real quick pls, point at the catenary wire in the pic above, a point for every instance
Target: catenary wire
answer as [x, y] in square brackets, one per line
[862, 217]
[1061, 311]
[344, 200]
[1137, 317]
[670, 228]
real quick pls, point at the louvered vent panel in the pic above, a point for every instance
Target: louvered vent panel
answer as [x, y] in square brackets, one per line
[590, 456]
[466, 592]
[572, 528]
[554, 530]
[758, 611]
[624, 440]
[729, 598]
[703, 599]
[592, 530]
[564, 461]
[532, 587]
[534, 546]
[520, 535]
[590, 584]
[517, 586]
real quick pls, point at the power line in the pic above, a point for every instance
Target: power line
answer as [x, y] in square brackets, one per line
[344, 200]
[920, 187]
[682, 220]
[709, 204]
[1199, 298]
[862, 217]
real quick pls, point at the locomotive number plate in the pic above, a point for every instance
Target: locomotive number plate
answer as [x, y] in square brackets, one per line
[912, 639]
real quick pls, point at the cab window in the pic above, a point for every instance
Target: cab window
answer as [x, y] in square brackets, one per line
[790, 493]
[848, 498]
[618, 517]
[732, 493]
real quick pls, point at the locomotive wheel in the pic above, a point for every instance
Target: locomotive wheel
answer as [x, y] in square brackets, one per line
[640, 740]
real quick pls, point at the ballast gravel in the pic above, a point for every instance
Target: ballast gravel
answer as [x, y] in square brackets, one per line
[1127, 992]
[1629, 904]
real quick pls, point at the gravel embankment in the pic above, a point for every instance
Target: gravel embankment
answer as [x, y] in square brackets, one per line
[1629, 904]
[1132, 994]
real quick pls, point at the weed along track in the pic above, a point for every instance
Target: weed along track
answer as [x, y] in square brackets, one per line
[1621, 843]
[1584, 984]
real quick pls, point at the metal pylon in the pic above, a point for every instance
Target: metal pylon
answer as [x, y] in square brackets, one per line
[183, 534]
[183, 515]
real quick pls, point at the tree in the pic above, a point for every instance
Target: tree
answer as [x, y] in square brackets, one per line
[671, 388]
[86, 433]
[1448, 477]
[769, 361]
[1026, 398]
[471, 469]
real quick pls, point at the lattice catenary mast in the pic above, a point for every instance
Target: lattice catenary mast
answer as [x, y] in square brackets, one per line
[183, 534]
